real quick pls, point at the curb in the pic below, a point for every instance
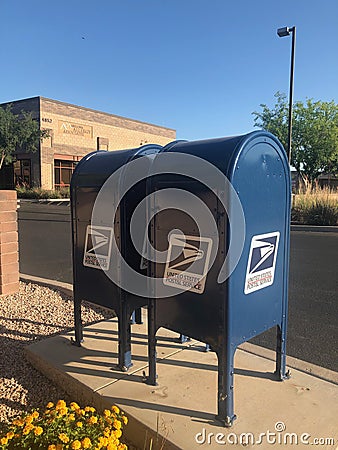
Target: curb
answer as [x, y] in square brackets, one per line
[293, 363]
[65, 288]
[315, 228]
[44, 200]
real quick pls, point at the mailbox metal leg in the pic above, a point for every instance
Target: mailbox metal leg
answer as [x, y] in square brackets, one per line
[124, 340]
[132, 318]
[281, 353]
[225, 400]
[152, 376]
[182, 339]
[78, 323]
[138, 316]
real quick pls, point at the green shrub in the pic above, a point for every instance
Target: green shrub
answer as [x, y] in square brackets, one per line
[321, 214]
[38, 193]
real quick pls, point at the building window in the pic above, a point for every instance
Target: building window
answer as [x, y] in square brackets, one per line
[22, 172]
[63, 171]
[102, 143]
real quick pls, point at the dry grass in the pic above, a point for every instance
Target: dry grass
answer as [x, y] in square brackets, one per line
[314, 194]
[315, 206]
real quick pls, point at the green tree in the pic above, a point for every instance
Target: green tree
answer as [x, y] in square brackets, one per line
[314, 147]
[18, 132]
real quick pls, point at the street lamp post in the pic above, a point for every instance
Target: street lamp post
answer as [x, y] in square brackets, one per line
[282, 32]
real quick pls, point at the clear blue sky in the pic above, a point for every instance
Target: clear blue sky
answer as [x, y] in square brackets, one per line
[198, 66]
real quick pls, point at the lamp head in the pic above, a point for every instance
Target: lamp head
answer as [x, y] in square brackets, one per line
[285, 31]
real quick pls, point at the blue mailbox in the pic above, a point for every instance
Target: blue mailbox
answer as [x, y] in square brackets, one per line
[196, 231]
[226, 283]
[92, 240]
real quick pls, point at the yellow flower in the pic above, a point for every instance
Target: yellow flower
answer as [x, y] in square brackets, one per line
[29, 419]
[71, 417]
[18, 422]
[117, 424]
[122, 447]
[74, 406]
[51, 446]
[38, 431]
[79, 424]
[60, 404]
[118, 433]
[87, 409]
[103, 441]
[76, 445]
[92, 420]
[86, 443]
[28, 428]
[10, 435]
[4, 441]
[63, 411]
[115, 409]
[106, 413]
[35, 414]
[50, 405]
[64, 438]
[125, 419]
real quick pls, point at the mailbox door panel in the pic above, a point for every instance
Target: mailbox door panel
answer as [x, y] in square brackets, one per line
[91, 281]
[256, 288]
[198, 312]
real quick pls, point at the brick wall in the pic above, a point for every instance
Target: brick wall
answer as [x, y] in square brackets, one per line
[87, 114]
[9, 255]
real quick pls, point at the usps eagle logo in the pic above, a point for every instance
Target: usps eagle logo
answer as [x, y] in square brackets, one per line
[97, 249]
[188, 262]
[261, 262]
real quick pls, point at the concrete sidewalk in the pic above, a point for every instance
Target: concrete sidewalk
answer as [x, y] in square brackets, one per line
[180, 411]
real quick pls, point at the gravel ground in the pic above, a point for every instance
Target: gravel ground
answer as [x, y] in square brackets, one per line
[34, 313]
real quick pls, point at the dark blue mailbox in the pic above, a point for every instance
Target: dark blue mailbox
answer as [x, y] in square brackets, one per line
[94, 235]
[222, 221]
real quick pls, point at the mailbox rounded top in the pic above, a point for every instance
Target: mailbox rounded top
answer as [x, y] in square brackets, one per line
[94, 168]
[226, 152]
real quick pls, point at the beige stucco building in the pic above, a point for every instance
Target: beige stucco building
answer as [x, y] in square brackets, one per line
[74, 132]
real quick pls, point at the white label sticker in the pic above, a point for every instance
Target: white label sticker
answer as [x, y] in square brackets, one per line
[98, 247]
[260, 270]
[188, 262]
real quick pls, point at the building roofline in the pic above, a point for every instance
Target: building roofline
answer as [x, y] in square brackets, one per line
[10, 102]
[90, 110]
